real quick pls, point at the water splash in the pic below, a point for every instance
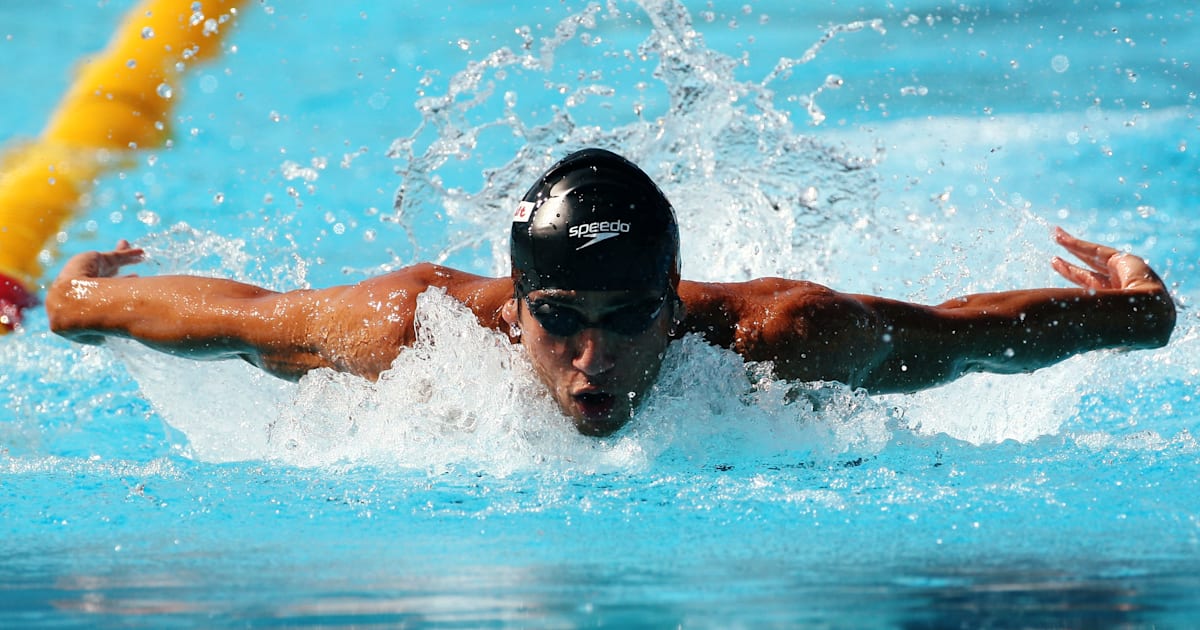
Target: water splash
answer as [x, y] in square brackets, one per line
[755, 197]
[751, 192]
[464, 398]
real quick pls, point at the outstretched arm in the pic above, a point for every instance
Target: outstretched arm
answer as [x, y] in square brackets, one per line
[813, 333]
[1120, 302]
[358, 328]
[200, 318]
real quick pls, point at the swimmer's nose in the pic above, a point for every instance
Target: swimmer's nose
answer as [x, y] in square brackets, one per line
[592, 352]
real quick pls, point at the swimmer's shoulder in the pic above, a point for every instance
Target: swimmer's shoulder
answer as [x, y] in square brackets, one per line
[482, 294]
[422, 276]
[751, 295]
[723, 311]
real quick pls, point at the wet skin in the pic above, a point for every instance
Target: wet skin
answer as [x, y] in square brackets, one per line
[597, 375]
[808, 332]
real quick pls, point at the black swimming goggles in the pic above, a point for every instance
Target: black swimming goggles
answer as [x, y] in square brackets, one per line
[563, 321]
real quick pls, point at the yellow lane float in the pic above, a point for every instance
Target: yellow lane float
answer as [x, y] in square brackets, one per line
[119, 103]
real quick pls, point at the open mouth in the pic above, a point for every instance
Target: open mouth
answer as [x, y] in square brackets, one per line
[595, 404]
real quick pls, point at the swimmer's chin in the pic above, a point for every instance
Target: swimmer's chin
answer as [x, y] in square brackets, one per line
[596, 414]
[599, 428]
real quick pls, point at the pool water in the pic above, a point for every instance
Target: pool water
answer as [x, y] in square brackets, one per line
[920, 152]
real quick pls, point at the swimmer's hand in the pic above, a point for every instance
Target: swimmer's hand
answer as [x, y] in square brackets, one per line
[75, 287]
[1111, 270]
[101, 264]
[1107, 268]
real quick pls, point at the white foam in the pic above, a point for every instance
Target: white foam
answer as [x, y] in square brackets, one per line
[755, 197]
[464, 397]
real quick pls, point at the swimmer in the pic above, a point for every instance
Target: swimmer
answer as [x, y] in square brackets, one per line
[595, 297]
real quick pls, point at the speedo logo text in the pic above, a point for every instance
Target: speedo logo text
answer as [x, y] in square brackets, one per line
[598, 231]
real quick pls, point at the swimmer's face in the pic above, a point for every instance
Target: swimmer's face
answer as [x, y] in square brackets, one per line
[597, 351]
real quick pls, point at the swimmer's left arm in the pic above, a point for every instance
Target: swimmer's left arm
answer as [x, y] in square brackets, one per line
[1120, 302]
[809, 332]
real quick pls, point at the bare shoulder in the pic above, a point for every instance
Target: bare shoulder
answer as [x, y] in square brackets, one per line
[712, 306]
[394, 295]
[808, 330]
[363, 326]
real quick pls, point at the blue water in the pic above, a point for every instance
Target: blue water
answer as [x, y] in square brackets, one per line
[923, 152]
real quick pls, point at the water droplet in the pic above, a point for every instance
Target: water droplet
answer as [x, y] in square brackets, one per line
[1060, 63]
[219, 198]
[809, 197]
[378, 101]
[163, 90]
[147, 218]
[147, 32]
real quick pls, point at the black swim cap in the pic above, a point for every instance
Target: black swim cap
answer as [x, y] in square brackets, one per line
[595, 222]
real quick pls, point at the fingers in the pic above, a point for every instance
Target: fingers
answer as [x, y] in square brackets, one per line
[123, 247]
[1110, 268]
[1095, 255]
[126, 254]
[109, 263]
[1083, 277]
[112, 262]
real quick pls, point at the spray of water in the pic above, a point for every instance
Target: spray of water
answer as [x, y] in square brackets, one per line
[755, 197]
[752, 193]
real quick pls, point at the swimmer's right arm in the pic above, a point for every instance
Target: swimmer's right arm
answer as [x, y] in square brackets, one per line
[285, 334]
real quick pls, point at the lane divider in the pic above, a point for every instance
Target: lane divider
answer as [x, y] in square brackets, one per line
[119, 102]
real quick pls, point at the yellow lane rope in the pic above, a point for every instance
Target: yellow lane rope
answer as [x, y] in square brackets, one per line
[120, 102]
